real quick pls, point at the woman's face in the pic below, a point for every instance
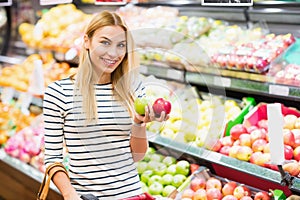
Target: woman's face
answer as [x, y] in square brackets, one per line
[107, 48]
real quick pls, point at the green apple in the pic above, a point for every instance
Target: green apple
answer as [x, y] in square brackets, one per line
[144, 187]
[156, 188]
[183, 167]
[156, 157]
[146, 176]
[167, 190]
[147, 158]
[140, 104]
[178, 179]
[150, 150]
[152, 164]
[141, 167]
[166, 179]
[154, 178]
[169, 160]
[171, 169]
[160, 169]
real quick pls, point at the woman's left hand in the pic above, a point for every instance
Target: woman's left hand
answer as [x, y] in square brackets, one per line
[150, 116]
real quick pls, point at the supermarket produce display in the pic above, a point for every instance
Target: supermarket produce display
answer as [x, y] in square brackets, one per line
[231, 150]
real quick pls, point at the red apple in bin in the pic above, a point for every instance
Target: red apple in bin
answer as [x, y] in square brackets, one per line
[262, 195]
[288, 152]
[261, 64]
[200, 195]
[228, 188]
[237, 130]
[229, 197]
[296, 153]
[213, 183]
[225, 150]
[258, 145]
[241, 191]
[293, 168]
[197, 183]
[213, 194]
[288, 137]
[263, 123]
[161, 105]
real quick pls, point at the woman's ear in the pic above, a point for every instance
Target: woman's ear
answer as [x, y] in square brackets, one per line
[86, 42]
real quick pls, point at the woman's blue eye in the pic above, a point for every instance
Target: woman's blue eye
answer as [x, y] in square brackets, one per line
[122, 45]
[105, 42]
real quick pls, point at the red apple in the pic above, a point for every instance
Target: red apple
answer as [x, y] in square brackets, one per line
[229, 197]
[228, 188]
[260, 158]
[296, 132]
[296, 153]
[292, 168]
[263, 123]
[225, 150]
[288, 137]
[297, 123]
[213, 183]
[289, 121]
[213, 194]
[258, 145]
[251, 128]
[246, 198]
[200, 195]
[233, 151]
[241, 191]
[227, 141]
[261, 64]
[245, 139]
[197, 183]
[244, 153]
[258, 134]
[262, 195]
[161, 105]
[217, 146]
[288, 152]
[188, 193]
[267, 148]
[237, 130]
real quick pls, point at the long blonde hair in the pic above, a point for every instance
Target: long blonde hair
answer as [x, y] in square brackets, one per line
[121, 78]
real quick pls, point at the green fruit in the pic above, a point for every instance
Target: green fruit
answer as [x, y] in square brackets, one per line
[157, 157]
[140, 104]
[166, 179]
[146, 176]
[171, 169]
[150, 150]
[156, 188]
[160, 169]
[167, 190]
[169, 160]
[152, 164]
[141, 167]
[154, 178]
[178, 179]
[183, 167]
[144, 187]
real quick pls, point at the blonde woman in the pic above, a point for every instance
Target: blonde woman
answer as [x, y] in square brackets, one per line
[92, 113]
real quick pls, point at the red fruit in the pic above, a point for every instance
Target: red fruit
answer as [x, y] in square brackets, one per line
[258, 145]
[229, 197]
[296, 153]
[237, 130]
[258, 134]
[213, 183]
[200, 194]
[225, 150]
[226, 141]
[251, 128]
[292, 168]
[188, 193]
[213, 194]
[263, 123]
[197, 183]
[241, 191]
[288, 152]
[228, 188]
[161, 105]
[193, 167]
[288, 137]
[262, 196]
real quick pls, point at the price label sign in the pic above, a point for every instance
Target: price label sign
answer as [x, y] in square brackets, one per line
[110, 2]
[279, 90]
[53, 2]
[5, 3]
[7, 95]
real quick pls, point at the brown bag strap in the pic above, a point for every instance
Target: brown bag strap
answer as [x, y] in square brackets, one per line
[44, 188]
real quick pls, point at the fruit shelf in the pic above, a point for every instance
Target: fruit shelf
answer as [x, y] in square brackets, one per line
[20, 179]
[224, 166]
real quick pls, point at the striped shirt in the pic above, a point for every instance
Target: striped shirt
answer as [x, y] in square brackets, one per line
[100, 159]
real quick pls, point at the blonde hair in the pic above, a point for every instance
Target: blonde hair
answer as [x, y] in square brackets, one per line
[121, 78]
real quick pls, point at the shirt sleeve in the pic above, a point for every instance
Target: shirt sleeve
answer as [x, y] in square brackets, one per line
[53, 111]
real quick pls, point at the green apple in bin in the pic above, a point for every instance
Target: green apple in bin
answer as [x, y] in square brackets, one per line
[167, 190]
[141, 167]
[154, 178]
[156, 188]
[166, 179]
[171, 169]
[183, 167]
[144, 187]
[157, 157]
[169, 160]
[139, 105]
[178, 179]
[146, 176]
[160, 169]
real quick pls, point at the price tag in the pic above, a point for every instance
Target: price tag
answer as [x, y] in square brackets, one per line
[2, 155]
[7, 94]
[5, 3]
[174, 74]
[279, 90]
[110, 2]
[24, 101]
[221, 81]
[54, 2]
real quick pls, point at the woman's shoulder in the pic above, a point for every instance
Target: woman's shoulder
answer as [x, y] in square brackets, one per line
[61, 84]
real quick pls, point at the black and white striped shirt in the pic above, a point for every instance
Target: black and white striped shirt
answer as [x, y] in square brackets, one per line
[100, 159]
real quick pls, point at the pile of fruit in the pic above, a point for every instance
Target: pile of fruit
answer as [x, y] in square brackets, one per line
[12, 120]
[160, 175]
[254, 56]
[250, 142]
[217, 188]
[19, 76]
